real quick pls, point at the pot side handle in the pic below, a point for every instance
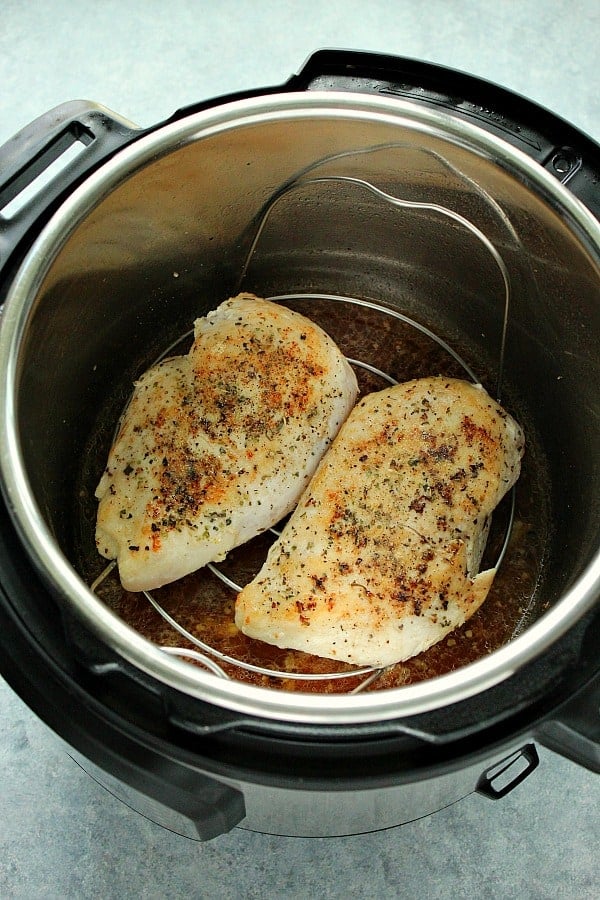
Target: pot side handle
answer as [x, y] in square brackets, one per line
[574, 729]
[50, 156]
[567, 153]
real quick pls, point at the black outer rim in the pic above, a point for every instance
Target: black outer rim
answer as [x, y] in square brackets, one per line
[142, 726]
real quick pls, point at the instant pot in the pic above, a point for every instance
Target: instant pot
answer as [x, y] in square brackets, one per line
[420, 201]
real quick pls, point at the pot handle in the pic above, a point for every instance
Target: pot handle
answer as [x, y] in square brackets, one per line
[49, 156]
[568, 154]
[574, 729]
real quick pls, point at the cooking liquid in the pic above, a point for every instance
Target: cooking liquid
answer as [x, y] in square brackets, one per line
[204, 605]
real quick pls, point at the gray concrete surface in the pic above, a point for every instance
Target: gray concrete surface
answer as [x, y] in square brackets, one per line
[60, 834]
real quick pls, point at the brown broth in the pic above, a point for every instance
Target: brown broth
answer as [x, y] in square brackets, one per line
[204, 606]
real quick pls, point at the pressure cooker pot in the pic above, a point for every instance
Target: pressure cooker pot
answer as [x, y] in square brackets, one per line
[432, 223]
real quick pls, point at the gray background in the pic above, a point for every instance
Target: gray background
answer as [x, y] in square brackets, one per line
[60, 834]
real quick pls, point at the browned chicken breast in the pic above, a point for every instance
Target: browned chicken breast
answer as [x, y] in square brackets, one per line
[380, 559]
[218, 445]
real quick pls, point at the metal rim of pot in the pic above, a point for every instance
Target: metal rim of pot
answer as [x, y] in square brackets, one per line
[48, 557]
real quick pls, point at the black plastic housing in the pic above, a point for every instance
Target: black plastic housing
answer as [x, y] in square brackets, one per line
[168, 745]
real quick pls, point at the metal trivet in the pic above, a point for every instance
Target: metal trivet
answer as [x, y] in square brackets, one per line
[210, 657]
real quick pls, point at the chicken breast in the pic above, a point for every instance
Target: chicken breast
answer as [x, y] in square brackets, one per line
[380, 559]
[218, 445]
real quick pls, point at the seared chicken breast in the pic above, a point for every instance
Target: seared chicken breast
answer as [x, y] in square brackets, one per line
[380, 559]
[218, 445]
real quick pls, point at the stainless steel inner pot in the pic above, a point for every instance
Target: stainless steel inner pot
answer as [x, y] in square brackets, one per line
[163, 232]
